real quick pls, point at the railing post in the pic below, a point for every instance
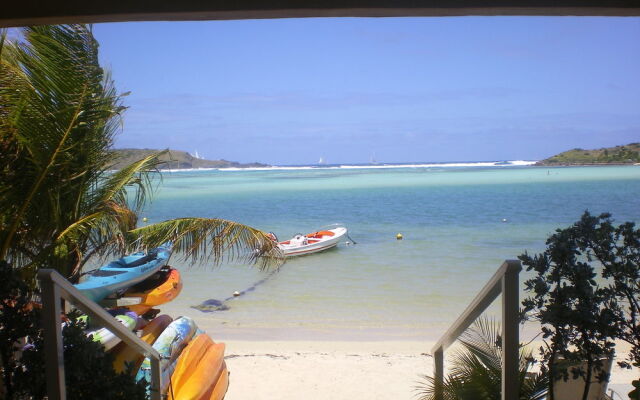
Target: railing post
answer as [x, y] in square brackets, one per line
[510, 332]
[504, 281]
[53, 350]
[438, 363]
[156, 379]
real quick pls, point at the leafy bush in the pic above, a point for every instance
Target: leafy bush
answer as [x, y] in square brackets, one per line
[586, 294]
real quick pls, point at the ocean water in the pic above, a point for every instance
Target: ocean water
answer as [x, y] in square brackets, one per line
[380, 288]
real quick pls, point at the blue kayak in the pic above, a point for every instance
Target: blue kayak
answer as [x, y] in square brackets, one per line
[123, 273]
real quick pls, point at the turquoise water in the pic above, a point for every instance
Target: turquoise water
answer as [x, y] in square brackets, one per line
[380, 288]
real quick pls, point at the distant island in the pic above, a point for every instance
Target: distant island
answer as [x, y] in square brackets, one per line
[176, 159]
[627, 154]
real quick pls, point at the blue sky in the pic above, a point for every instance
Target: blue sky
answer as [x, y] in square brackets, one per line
[405, 89]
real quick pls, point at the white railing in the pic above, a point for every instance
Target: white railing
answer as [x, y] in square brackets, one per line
[54, 288]
[504, 281]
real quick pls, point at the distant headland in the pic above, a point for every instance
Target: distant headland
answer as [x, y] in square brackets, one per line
[626, 154]
[176, 159]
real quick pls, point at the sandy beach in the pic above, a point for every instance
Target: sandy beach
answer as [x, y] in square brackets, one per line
[325, 370]
[338, 370]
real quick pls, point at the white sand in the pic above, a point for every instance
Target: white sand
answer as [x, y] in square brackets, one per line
[338, 370]
[325, 370]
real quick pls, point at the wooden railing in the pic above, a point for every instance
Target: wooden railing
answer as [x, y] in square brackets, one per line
[54, 288]
[504, 281]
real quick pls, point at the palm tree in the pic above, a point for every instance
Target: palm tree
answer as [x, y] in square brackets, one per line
[476, 369]
[60, 201]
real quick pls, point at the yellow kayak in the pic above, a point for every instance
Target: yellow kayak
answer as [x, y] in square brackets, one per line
[188, 361]
[124, 354]
[196, 385]
[218, 391]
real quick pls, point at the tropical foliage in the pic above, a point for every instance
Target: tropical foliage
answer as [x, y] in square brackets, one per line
[476, 369]
[60, 201]
[586, 294]
[625, 154]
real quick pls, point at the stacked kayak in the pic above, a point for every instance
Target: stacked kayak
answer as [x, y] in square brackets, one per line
[201, 372]
[156, 290]
[126, 356]
[169, 345]
[192, 364]
[123, 273]
[107, 338]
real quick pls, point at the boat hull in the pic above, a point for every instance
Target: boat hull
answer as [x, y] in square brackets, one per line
[169, 345]
[125, 355]
[122, 273]
[109, 339]
[166, 289]
[188, 362]
[315, 242]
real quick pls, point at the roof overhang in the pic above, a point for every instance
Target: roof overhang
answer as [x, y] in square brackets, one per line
[39, 12]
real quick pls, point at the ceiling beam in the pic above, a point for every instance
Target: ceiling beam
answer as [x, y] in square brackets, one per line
[40, 12]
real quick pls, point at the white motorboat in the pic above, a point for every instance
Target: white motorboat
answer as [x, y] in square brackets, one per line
[313, 242]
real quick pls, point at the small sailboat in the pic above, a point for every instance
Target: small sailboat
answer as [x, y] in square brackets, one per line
[321, 161]
[300, 244]
[372, 159]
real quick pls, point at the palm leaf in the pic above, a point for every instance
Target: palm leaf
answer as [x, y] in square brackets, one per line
[135, 175]
[26, 202]
[476, 368]
[61, 116]
[219, 240]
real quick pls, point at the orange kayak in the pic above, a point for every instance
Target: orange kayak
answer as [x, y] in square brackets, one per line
[197, 384]
[218, 391]
[188, 361]
[124, 354]
[161, 288]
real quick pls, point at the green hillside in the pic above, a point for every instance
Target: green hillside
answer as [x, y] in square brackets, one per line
[175, 159]
[627, 154]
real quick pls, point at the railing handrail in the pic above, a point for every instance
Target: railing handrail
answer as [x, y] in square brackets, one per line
[54, 287]
[483, 299]
[504, 281]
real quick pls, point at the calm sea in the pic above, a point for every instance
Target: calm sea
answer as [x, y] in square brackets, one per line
[459, 224]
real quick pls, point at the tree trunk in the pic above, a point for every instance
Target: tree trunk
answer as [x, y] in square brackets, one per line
[587, 379]
[552, 377]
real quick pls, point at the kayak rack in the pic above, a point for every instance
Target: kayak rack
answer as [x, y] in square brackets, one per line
[54, 288]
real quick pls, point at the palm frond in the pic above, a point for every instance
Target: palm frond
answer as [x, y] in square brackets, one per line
[37, 184]
[61, 116]
[217, 240]
[483, 340]
[136, 175]
[453, 388]
[476, 368]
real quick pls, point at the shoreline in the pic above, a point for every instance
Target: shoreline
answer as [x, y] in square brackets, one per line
[479, 164]
[447, 164]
